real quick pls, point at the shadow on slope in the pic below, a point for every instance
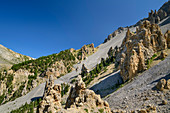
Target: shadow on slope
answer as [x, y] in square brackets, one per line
[167, 21]
[108, 85]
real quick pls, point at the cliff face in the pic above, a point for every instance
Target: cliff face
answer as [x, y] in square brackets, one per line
[139, 47]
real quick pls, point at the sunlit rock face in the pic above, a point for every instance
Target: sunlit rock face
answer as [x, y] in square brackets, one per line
[138, 47]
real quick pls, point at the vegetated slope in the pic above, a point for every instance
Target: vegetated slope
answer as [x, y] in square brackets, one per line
[9, 57]
[25, 76]
[90, 62]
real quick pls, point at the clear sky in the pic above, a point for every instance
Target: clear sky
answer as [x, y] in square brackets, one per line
[42, 27]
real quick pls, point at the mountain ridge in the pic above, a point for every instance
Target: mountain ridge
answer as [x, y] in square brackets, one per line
[90, 62]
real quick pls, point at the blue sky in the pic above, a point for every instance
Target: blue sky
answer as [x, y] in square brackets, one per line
[42, 27]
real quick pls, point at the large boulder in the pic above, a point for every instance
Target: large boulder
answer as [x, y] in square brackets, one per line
[163, 84]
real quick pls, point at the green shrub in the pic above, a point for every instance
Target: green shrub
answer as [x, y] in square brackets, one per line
[101, 110]
[73, 80]
[64, 89]
[86, 110]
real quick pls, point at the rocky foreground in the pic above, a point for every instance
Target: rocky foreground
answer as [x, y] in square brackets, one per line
[145, 93]
[80, 100]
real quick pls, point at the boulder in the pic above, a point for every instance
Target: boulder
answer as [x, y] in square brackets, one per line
[167, 85]
[161, 84]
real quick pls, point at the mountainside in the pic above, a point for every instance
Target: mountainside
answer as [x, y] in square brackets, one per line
[23, 77]
[9, 57]
[130, 71]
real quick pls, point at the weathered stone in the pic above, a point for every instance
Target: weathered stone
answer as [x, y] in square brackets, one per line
[143, 111]
[167, 37]
[163, 54]
[51, 97]
[84, 70]
[86, 50]
[137, 48]
[167, 85]
[164, 102]
[160, 85]
[110, 52]
[82, 98]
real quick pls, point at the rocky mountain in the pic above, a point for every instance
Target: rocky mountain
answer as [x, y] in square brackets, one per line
[9, 57]
[23, 77]
[80, 99]
[130, 71]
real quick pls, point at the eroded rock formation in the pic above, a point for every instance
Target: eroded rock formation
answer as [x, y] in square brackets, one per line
[162, 13]
[84, 70]
[85, 51]
[82, 98]
[138, 47]
[112, 35]
[167, 37]
[51, 98]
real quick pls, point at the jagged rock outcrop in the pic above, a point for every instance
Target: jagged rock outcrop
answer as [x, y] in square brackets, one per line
[163, 54]
[51, 97]
[72, 49]
[85, 51]
[82, 98]
[154, 17]
[138, 47]
[112, 35]
[84, 70]
[157, 16]
[57, 69]
[110, 52]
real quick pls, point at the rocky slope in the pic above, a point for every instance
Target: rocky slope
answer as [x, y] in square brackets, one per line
[9, 57]
[141, 93]
[89, 62]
